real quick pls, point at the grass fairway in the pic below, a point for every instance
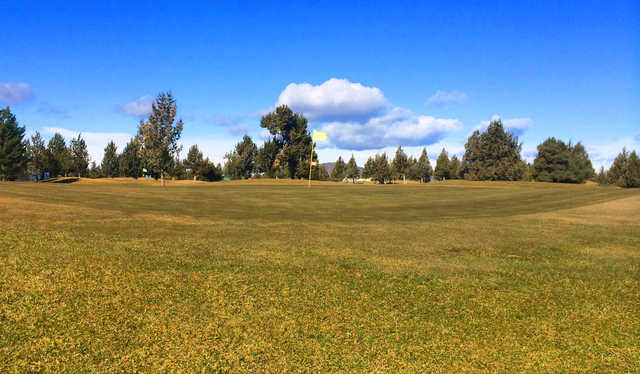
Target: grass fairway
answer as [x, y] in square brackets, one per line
[273, 276]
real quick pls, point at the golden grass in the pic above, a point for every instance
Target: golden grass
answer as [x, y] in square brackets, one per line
[266, 276]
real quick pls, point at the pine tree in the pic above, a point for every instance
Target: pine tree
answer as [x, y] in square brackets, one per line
[442, 170]
[625, 171]
[424, 170]
[293, 139]
[130, 162]
[616, 172]
[13, 149]
[369, 168]
[602, 176]
[338, 172]
[79, 156]
[454, 168]
[159, 135]
[110, 167]
[37, 156]
[560, 162]
[382, 171]
[267, 157]
[493, 155]
[58, 158]
[352, 172]
[399, 164]
[241, 163]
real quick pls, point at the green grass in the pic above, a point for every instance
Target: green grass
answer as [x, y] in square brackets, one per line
[265, 276]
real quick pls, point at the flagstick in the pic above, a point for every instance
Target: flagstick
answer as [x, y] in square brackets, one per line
[311, 162]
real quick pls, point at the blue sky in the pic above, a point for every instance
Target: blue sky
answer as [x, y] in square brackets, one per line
[374, 75]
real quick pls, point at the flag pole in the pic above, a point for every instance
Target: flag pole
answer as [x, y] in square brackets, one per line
[311, 162]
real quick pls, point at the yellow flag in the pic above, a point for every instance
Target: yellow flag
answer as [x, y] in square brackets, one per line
[318, 135]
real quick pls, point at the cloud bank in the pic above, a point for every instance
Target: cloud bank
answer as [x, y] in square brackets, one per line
[397, 127]
[14, 92]
[335, 99]
[358, 117]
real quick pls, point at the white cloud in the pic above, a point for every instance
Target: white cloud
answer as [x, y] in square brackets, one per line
[14, 92]
[138, 108]
[96, 141]
[399, 126]
[447, 98]
[333, 100]
[516, 126]
[603, 154]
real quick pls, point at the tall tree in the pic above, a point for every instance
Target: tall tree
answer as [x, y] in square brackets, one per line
[423, 167]
[493, 155]
[58, 158]
[352, 172]
[369, 168]
[159, 135]
[290, 129]
[130, 162]
[560, 162]
[79, 156]
[442, 170]
[110, 167]
[381, 172]
[37, 156]
[194, 163]
[13, 148]
[339, 170]
[267, 156]
[454, 168]
[625, 171]
[241, 163]
[399, 164]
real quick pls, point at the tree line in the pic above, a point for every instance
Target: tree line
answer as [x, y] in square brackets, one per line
[490, 155]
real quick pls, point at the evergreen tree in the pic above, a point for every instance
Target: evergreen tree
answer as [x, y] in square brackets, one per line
[130, 162]
[159, 135]
[110, 167]
[580, 167]
[241, 163]
[493, 155]
[58, 158]
[399, 164]
[369, 168]
[423, 167]
[37, 156]
[211, 172]
[454, 168]
[442, 170]
[352, 171]
[79, 156]
[13, 148]
[625, 171]
[339, 170]
[560, 162]
[95, 171]
[293, 138]
[382, 171]
[267, 157]
[194, 163]
[602, 176]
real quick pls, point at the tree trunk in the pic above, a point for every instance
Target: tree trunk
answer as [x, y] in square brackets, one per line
[162, 178]
[404, 179]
